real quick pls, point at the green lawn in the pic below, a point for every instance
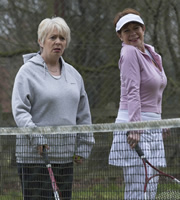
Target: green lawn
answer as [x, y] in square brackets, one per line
[95, 192]
[12, 195]
[102, 192]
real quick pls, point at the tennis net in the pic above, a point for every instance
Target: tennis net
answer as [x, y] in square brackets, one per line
[100, 176]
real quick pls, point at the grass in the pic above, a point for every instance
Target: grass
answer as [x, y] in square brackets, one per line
[15, 195]
[95, 192]
[102, 192]
[111, 191]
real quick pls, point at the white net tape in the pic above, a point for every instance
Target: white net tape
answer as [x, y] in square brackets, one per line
[106, 127]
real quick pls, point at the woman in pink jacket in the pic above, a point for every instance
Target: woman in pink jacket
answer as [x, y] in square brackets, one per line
[142, 84]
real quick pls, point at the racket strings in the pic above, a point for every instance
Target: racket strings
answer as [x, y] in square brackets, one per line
[169, 195]
[168, 189]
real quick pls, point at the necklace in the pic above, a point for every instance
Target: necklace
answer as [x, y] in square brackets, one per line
[57, 68]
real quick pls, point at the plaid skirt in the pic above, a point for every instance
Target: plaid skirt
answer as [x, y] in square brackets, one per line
[151, 142]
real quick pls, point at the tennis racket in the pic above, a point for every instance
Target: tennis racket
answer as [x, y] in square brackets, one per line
[169, 186]
[56, 191]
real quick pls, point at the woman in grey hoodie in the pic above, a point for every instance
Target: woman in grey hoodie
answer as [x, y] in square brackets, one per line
[50, 92]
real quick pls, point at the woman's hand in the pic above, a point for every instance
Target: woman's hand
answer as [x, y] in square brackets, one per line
[78, 159]
[133, 138]
[166, 133]
[41, 147]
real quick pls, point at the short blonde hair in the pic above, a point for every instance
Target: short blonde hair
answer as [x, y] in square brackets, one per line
[47, 25]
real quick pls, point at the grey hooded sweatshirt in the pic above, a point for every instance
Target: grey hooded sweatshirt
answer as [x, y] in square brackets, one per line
[39, 99]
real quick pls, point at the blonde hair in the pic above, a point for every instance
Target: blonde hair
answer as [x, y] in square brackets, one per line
[47, 25]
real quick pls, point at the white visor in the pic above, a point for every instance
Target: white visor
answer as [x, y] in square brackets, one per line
[126, 19]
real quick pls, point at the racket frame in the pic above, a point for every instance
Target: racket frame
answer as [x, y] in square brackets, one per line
[56, 191]
[145, 161]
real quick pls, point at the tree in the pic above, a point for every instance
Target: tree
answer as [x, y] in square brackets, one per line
[94, 49]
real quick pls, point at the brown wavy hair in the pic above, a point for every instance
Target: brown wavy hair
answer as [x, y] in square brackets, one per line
[123, 13]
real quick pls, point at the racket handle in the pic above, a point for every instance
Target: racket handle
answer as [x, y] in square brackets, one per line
[139, 151]
[45, 156]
